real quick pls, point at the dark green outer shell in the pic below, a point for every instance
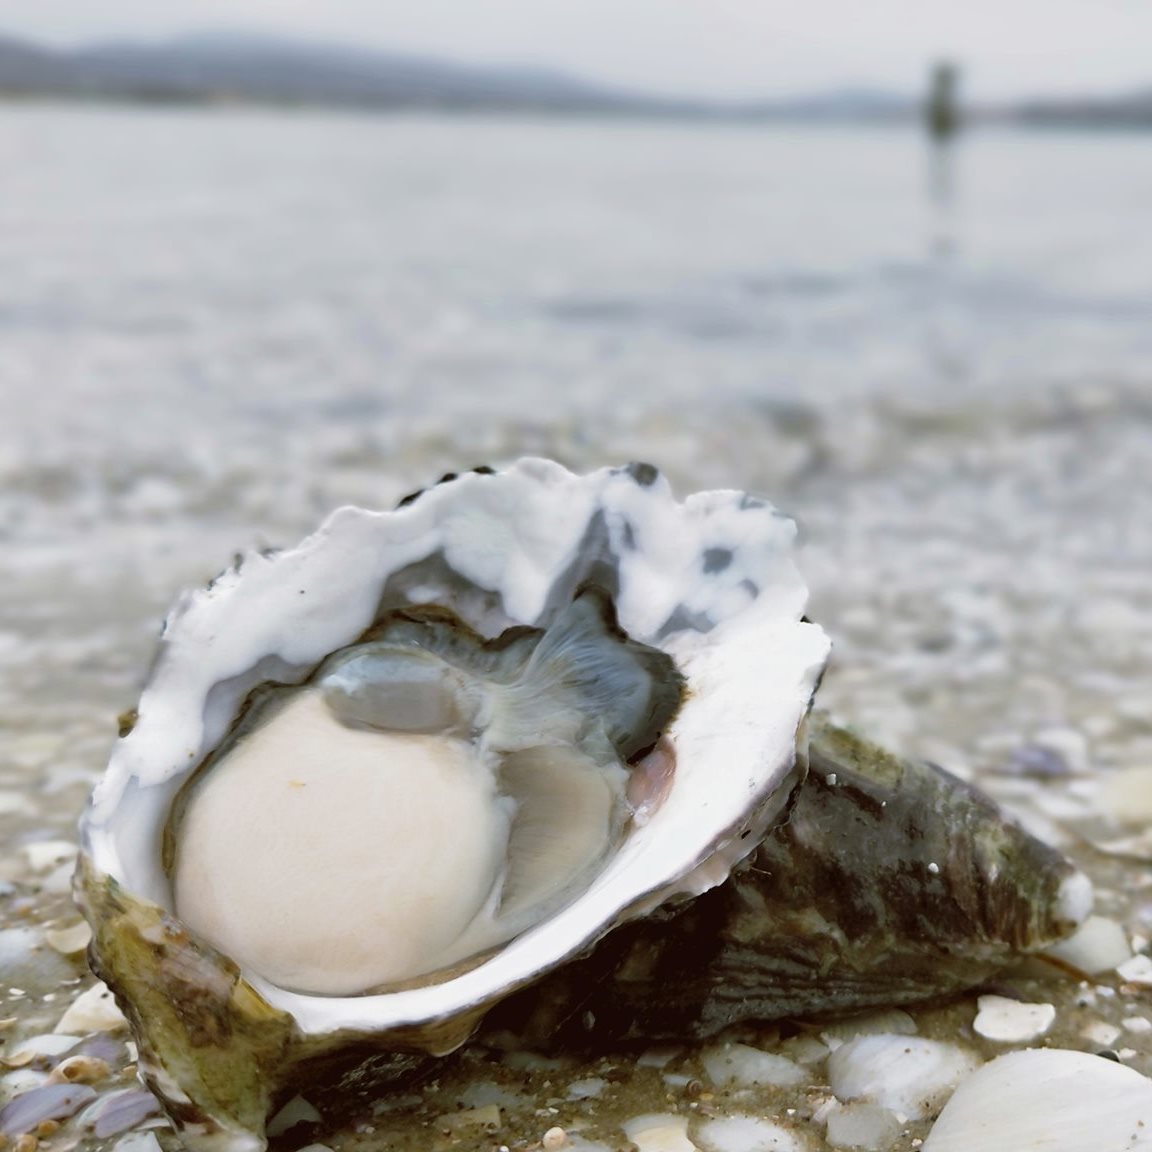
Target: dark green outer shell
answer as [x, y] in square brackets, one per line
[888, 882]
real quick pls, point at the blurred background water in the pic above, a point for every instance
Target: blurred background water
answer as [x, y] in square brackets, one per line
[215, 326]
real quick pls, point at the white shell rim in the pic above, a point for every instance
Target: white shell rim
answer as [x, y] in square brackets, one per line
[720, 561]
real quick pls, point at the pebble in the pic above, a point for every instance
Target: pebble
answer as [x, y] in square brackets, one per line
[1036, 760]
[741, 1066]
[894, 1021]
[1068, 744]
[907, 1075]
[865, 1126]
[1012, 1021]
[589, 1089]
[804, 1049]
[1098, 1032]
[487, 1117]
[659, 1132]
[1137, 970]
[1051, 1099]
[748, 1134]
[1126, 796]
[481, 1092]
[553, 1139]
[521, 1060]
[659, 1057]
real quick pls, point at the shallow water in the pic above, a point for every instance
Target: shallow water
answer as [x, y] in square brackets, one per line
[217, 326]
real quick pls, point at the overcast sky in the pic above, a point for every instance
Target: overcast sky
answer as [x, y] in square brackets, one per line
[693, 47]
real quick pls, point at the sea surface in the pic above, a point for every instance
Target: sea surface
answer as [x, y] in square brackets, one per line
[218, 325]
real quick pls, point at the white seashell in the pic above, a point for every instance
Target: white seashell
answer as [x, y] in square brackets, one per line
[21, 1080]
[114, 1112]
[38, 1049]
[1098, 945]
[44, 854]
[895, 1021]
[69, 941]
[589, 1089]
[659, 1132]
[741, 1066]
[137, 1142]
[907, 1075]
[748, 1134]
[1101, 1034]
[863, 1126]
[1126, 796]
[487, 1116]
[94, 1010]
[554, 1139]
[1012, 1021]
[1050, 1099]
[1137, 970]
[577, 1143]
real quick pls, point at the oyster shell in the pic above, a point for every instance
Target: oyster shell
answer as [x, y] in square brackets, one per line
[537, 627]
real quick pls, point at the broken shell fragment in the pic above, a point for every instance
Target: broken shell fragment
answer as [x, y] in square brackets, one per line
[529, 742]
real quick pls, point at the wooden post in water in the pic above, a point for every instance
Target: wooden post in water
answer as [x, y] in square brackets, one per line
[942, 118]
[942, 108]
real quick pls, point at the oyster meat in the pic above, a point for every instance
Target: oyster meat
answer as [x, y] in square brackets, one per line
[426, 796]
[532, 747]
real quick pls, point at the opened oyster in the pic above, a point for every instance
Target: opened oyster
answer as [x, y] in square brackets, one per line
[532, 747]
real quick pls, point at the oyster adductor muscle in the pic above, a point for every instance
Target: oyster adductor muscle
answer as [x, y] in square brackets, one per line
[531, 740]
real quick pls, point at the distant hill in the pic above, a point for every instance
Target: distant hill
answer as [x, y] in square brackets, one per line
[230, 68]
[836, 105]
[1129, 111]
[269, 70]
[238, 68]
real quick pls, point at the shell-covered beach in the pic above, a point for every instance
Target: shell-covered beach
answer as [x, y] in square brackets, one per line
[219, 326]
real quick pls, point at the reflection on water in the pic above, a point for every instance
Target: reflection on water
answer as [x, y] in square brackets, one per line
[945, 344]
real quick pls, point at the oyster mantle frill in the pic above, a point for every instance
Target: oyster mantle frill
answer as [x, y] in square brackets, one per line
[586, 643]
